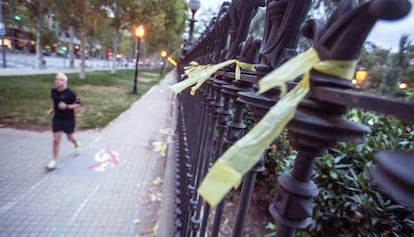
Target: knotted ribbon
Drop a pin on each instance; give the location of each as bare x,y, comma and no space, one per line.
228,170
197,74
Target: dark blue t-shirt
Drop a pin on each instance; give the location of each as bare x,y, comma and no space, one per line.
67,96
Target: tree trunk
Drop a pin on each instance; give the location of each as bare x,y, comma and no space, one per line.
71,47
82,48
39,54
115,42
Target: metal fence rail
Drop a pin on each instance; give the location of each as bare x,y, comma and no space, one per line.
212,119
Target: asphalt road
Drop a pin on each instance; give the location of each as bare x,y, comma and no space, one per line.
24,64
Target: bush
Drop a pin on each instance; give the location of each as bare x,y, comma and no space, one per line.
349,204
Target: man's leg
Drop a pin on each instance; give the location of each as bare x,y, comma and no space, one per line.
70,130
72,139
56,141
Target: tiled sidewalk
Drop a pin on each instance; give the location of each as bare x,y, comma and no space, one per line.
113,188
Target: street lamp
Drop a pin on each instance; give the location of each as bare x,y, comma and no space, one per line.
139,33
403,86
360,75
193,5
163,55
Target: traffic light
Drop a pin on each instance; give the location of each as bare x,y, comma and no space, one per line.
17,17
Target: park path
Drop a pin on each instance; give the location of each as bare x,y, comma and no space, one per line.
113,188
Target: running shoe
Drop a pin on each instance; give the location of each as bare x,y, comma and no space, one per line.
51,164
77,151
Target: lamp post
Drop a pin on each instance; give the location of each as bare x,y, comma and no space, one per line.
193,5
2,34
139,33
163,55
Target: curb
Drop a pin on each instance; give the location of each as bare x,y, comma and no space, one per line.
166,221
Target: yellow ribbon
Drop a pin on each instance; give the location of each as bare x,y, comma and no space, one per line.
228,171
198,74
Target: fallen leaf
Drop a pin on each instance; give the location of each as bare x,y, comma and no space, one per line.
157,181
156,196
155,229
161,147
165,131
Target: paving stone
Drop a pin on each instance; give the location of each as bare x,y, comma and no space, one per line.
76,200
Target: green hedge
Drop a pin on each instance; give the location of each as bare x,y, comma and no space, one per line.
349,203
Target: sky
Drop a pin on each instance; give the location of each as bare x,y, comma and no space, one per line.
388,33
385,33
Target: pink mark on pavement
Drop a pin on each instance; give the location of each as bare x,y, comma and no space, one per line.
104,158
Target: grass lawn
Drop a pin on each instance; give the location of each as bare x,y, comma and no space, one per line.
24,100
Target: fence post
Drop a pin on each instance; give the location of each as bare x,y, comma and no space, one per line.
318,125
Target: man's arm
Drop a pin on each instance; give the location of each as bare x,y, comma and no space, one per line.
76,104
51,109
63,106
73,106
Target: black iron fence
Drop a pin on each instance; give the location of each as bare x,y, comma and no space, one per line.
211,120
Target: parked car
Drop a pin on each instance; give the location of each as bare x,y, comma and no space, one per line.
47,52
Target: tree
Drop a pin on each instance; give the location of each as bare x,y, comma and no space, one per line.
89,14
175,21
48,37
258,23
102,35
164,23
80,16
120,13
126,45
395,66
407,75
382,74
36,11
373,58
68,21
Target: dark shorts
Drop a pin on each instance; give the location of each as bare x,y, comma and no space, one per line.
65,125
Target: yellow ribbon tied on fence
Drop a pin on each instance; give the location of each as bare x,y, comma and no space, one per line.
197,74
228,170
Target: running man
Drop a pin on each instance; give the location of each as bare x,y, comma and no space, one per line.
63,105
